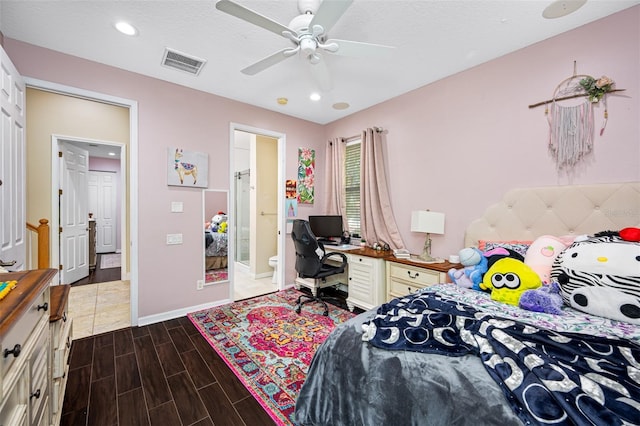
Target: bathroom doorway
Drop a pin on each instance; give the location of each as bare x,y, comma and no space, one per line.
256,211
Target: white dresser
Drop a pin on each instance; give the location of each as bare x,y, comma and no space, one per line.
25,381
406,276
60,327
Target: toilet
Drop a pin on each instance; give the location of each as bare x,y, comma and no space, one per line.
273,262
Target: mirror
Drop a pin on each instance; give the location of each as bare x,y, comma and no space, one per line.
216,241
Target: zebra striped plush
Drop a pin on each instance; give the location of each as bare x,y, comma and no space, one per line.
601,276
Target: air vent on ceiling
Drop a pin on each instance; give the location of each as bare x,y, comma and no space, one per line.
182,62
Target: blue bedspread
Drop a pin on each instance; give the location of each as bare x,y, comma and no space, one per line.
547,377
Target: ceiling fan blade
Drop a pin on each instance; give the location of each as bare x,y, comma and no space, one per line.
249,15
267,62
359,49
329,12
321,75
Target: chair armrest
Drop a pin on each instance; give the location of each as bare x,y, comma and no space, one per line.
335,253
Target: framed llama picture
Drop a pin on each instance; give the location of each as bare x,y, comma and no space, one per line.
188,169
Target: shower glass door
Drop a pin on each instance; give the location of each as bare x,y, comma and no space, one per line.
243,217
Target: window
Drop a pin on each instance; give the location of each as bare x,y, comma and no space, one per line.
352,185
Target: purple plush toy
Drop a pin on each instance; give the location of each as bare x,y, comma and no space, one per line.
543,299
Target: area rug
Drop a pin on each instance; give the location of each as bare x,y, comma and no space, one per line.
111,260
214,275
268,345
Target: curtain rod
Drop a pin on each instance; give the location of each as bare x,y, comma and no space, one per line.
353,138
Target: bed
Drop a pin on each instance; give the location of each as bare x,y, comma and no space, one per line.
216,244
450,382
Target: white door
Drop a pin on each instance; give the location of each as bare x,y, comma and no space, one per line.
102,203
74,214
13,222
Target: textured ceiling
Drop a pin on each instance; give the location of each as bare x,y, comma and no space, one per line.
433,39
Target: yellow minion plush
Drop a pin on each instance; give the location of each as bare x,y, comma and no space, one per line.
508,278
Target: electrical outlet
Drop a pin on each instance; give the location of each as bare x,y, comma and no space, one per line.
199,284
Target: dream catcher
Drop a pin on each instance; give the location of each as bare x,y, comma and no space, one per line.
571,124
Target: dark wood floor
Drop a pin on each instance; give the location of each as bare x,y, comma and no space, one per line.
99,275
162,374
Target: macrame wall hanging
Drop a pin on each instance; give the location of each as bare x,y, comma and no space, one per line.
571,126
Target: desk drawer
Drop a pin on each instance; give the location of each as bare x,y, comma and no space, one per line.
364,261
416,277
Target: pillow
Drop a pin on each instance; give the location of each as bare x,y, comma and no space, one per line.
519,247
542,252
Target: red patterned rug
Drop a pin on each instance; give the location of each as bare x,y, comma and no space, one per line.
214,275
268,346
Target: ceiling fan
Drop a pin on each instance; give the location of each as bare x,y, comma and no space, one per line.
308,33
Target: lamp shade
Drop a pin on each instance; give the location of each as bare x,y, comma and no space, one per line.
427,221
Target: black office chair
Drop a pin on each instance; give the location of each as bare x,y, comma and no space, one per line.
309,265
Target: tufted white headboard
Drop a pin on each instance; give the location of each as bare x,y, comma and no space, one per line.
527,213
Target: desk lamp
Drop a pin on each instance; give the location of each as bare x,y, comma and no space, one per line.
431,223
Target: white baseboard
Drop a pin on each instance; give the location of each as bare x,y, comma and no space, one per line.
165,316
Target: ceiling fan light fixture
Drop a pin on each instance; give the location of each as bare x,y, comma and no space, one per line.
314,58
307,46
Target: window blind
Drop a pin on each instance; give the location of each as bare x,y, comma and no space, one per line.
352,185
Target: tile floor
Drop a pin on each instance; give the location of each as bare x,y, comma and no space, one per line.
245,287
98,308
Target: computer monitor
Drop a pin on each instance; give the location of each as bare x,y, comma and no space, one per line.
326,226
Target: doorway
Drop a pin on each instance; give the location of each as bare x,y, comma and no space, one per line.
256,206
90,201
129,161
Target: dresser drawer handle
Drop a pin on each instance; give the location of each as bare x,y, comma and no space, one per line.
35,395
44,306
413,276
15,351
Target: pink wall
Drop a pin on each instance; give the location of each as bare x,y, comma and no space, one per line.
455,146
99,164
170,115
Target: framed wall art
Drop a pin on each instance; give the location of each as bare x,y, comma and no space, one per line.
187,168
306,175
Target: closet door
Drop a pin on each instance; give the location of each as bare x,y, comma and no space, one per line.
103,205
12,166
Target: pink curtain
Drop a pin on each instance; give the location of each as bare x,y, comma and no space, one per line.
335,179
376,217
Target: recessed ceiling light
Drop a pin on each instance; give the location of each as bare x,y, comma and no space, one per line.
560,8
113,154
315,96
126,28
340,105
282,101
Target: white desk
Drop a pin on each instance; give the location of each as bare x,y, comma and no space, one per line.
341,247
366,273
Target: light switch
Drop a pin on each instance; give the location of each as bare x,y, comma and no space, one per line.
174,239
176,207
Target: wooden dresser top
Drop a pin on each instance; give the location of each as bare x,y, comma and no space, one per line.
17,301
